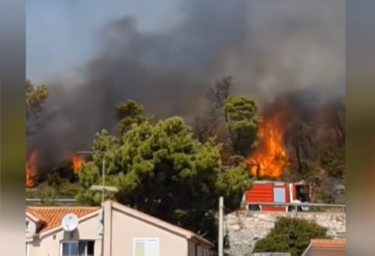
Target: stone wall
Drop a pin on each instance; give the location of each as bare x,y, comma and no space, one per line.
270,254
243,229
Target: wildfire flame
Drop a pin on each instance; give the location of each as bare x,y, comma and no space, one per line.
77,163
269,158
31,170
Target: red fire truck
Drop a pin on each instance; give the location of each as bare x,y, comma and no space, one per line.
265,191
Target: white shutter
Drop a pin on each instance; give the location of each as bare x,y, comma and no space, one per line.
139,247
152,247
146,247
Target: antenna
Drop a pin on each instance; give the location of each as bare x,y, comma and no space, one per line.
69,222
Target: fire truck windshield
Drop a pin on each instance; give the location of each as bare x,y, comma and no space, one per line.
302,193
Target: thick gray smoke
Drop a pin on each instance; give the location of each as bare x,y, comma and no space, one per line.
269,47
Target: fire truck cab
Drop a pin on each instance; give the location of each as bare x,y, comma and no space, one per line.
265,191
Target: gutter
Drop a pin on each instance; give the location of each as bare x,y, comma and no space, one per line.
201,240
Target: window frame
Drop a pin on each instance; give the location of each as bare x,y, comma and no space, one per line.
145,239
77,242
279,194
27,249
67,242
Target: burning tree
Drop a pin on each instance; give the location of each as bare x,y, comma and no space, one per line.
162,170
255,138
77,162
269,158
31,170
35,98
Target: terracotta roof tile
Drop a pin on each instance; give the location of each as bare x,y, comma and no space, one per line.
35,214
52,215
334,243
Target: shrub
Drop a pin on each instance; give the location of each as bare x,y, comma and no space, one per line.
291,235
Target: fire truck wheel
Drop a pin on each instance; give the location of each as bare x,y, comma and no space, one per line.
253,207
292,209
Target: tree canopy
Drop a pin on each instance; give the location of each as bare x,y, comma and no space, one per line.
161,169
291,235
242,120
36,96
233,120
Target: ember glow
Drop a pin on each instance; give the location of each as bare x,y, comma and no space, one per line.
31,170
77,162
270,157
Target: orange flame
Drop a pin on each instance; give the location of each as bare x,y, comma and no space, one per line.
31,170
77,163
269,158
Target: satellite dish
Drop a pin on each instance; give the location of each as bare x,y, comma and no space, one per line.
69,222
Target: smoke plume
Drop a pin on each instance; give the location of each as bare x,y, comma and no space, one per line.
271,48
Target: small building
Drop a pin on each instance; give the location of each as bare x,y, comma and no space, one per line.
110,230
326,247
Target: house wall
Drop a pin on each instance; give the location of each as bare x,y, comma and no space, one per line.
196,249
125,228
50,245
32,228
29,236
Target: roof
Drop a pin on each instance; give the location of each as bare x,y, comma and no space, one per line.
51,216
325,245
277,182
332,243
34,215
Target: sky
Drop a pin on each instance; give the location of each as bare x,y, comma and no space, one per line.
60,35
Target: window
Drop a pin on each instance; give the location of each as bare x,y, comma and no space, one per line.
27,226
279,195
77,248
27,249
200,251
146,247
302,194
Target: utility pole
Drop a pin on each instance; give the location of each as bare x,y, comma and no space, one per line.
101,188
221,227
103,177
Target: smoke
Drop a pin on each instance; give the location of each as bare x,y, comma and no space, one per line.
271,48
